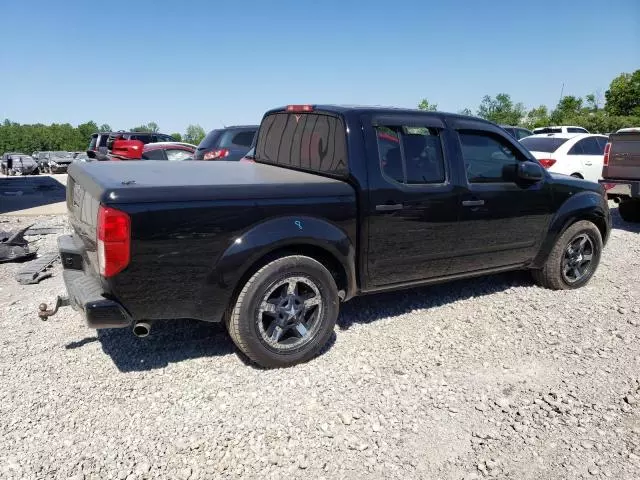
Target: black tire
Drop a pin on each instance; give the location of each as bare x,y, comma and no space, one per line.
248,323
629,210
553,275
36,172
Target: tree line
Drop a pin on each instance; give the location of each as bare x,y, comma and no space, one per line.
16,137
620,108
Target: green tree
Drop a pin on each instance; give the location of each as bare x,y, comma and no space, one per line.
623,96
568,107
501,109
148,127
194,134
429,107
466,111
105,127
537,117
153,127
177,136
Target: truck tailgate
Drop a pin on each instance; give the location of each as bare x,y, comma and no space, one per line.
624,157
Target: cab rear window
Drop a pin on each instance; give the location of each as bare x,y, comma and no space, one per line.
314,142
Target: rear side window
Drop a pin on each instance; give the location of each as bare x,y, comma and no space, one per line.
586,146
154,155
542,144
308,141
576,130
93,142
411,155
243,139
522,133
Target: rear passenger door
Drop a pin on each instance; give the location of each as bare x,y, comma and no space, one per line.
413,203
502,219
590,153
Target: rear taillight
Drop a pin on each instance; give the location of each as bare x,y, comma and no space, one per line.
609,186
547,162
217,154
607,150
114,241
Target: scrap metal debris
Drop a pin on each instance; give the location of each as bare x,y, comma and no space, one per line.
14,247
37,270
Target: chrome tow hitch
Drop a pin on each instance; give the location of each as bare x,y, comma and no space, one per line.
44,312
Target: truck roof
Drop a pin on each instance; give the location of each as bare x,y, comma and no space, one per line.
357,109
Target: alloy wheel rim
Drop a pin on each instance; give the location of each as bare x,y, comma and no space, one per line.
289,313
577,260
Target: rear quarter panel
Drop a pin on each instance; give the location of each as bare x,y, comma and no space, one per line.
176,250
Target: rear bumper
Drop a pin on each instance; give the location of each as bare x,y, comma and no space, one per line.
85,291
621,188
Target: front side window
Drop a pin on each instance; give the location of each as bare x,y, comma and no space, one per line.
576,130
411,155
487,157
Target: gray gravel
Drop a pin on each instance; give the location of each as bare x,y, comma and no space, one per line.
492,377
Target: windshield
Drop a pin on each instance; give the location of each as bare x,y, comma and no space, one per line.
60,154
542,144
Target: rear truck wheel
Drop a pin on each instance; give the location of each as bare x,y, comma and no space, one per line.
629,209
285,313
573,259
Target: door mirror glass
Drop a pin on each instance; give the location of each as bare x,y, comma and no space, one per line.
530,171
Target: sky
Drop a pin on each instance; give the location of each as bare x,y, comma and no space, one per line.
215,63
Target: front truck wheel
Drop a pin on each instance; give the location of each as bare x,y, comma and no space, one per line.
573,259
629,210
285,313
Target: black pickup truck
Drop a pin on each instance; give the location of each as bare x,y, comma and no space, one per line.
340,201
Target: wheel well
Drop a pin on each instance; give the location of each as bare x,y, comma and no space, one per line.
323,256
577,175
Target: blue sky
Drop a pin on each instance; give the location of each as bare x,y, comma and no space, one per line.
211,62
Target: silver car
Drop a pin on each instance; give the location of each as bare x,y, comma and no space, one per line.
22,165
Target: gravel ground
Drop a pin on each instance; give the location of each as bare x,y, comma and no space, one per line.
492,377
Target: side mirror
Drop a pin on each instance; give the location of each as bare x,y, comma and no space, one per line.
530,171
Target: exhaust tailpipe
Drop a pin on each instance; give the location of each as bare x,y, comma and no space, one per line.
142,329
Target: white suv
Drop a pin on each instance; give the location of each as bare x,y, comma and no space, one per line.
560,129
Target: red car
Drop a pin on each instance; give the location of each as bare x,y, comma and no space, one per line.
136,150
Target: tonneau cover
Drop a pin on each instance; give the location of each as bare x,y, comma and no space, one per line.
153,181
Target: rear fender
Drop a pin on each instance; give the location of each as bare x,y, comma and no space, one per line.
585,205
278,233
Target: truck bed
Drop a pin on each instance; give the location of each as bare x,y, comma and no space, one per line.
152,181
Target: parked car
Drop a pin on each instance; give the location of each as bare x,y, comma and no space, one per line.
81,157
135,150
54,162
20,164
272,247
517,132
230,143
579,155
560,129
101,143
621,172
6,162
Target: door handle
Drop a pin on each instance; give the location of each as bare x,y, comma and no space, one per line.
588,163
472,203
389,207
